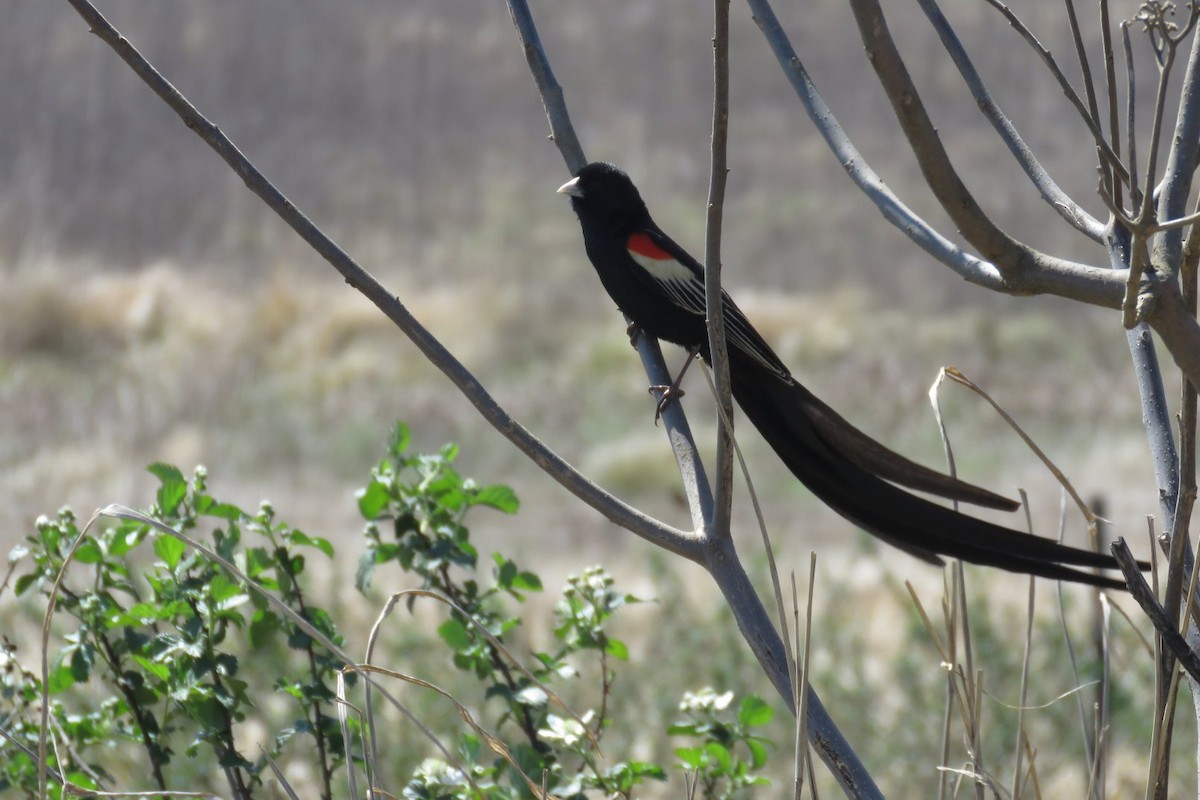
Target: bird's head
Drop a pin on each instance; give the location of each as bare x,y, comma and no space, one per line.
600,192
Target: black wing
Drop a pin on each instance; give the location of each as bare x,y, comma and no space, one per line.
681,279
685,288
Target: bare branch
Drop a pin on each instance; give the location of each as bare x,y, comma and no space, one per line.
953,195
718,171
1145,598
1135,194
1045,276
562,132
1180,168
1075,215
1167,61
1035,273
680,542
1089,86
1155,414
1107,156
696,487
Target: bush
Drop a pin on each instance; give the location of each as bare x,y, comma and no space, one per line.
176,646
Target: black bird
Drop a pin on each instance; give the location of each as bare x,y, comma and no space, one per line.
661,289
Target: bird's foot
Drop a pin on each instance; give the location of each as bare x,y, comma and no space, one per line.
666,396
633,332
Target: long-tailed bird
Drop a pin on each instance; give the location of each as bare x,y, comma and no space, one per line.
661,289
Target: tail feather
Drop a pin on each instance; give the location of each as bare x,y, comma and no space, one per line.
850,473
873,457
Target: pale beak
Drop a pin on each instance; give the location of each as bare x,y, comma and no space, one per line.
571,187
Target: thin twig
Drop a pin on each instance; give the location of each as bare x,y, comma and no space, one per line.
1038,273
1145,597
1178,172
682,543
1060,201
1135,193
713,299
1108,156
1108,176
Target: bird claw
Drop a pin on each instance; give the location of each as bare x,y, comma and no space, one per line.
633,332
666,396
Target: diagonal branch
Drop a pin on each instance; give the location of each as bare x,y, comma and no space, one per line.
1008,255
1044,276
696,487
1181,165
1163,625
685,544
1107,156
1075,215
721,558
1108,176
1035,273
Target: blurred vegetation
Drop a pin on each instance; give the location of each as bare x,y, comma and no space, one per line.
155,654
153,311
149,298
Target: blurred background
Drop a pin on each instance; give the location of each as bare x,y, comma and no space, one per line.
153,310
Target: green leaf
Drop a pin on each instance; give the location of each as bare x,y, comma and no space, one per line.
497,496
166,473
528,581
372,500
160,671
720,754
169,549
82,780
125,538
227,593
366,569
647,769
456,635
88,552
400,439
626,775
136,615
226,511
617,649
692,757
507,571
82,660
61,677
303,539
23,583
173,488
263,626
758,752
258,560
754,711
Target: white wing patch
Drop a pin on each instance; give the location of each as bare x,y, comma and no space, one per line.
687,291
663,269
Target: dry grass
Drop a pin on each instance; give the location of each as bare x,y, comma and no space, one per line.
285,388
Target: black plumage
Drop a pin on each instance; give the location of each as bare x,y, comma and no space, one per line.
661,289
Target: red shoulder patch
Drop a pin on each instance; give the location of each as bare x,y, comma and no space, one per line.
643,245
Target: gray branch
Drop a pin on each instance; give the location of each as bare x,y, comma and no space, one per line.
681,542
719,556
1075,215
1181,164
713,299
1012,269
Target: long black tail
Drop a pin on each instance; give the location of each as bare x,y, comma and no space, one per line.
850,472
